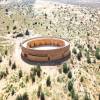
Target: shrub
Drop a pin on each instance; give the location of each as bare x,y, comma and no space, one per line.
74,51
70,85
27,79
32,74
42,96
81,79
6,52
12,92
69,74
7,72
0,58
45,16
25,96
72,93
14,66
20,74
33,71
65,68
14,27
19,35
60,70
76,97
19,97
22,84
10,62
27,32
6,10
8,32
97,54
2,74
79,56
33,78
86,97
38,70
88,60
48,82
39,91
7,27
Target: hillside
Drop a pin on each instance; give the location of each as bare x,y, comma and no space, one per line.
78,78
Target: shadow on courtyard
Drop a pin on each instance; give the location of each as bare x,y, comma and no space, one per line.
48,63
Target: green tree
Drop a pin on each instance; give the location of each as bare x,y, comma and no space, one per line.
65,68
14,27
12,92
10,62
6,52
0,58
88,60
81,79
70,85
33,71
76,97
25,96
86,97
42,96
33,78
6,10
97,54
14,65
72,93
7,27
7,72
48,82
27,79
33,74
19,97
39,91
74,51
79,55
20,74
2,74
70,74
38,70
27,32
99,97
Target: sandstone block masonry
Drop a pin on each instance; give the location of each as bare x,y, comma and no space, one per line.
62,49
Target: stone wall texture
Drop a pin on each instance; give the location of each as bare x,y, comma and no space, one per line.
29,53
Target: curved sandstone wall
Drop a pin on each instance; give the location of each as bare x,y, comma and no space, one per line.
28,51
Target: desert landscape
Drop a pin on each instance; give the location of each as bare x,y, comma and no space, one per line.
77,78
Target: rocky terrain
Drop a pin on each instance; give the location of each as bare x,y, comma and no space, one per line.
78,78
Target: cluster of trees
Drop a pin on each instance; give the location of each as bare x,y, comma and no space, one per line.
13,65
72,91
23,97
67,70
78,54
40,94
35,71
